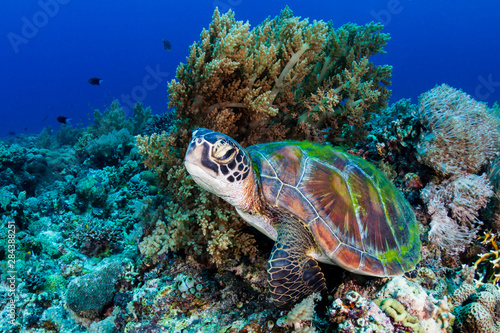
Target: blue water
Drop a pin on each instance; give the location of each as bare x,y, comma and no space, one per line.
50,48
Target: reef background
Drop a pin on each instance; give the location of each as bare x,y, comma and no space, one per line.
112,235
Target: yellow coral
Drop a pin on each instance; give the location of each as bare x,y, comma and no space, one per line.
396,311
489,262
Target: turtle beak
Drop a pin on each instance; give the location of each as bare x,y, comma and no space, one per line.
191,154
193,157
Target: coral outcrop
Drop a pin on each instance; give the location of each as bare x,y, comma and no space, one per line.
411,306
89,294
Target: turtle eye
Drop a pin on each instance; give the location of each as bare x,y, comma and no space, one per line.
223,152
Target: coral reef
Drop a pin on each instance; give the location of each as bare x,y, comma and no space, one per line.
453,206
461,135
409,304
356,314
476,310
103,245
488,264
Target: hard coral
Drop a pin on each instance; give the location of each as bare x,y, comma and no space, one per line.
88,295
461,135
356,314
410,305
476,310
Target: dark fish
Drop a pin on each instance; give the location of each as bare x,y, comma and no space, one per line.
63,120
167,45
12,133
45,118
95,81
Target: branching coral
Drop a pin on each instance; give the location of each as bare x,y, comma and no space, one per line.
461,135
453,206
93,236
488,264
283,74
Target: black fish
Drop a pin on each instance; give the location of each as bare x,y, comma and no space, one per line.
12,133
63,120
167,45
95,81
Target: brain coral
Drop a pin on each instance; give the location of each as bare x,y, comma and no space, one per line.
477,311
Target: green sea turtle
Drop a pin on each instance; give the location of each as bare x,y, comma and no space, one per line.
317,202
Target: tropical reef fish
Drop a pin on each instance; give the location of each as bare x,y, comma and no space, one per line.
167,45
63,120
95,81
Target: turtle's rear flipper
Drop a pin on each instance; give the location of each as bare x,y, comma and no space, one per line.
291,273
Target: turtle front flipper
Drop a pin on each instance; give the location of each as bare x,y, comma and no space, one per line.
291,273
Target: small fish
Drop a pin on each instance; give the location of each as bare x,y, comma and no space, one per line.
45,118
63,120
167,45
12,133
95,81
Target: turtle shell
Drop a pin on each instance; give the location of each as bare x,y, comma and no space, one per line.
356,215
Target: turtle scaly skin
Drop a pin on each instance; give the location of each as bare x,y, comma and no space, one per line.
291,272
317,202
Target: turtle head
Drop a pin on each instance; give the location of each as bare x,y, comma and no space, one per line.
220,165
